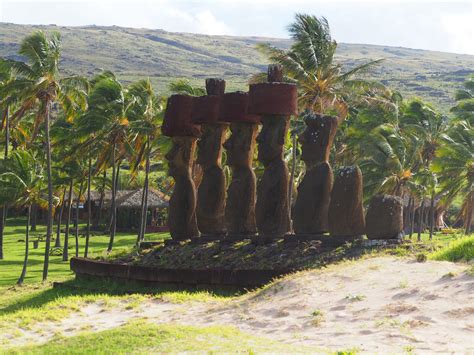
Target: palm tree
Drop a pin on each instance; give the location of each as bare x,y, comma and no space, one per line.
464,109
22,183
424,123
182,86
144,112
45,87
454,163
107,118
323,86
388,161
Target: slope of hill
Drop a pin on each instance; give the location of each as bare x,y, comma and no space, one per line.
163,56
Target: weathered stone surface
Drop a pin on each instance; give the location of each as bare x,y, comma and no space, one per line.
272,208
177,120
316,140
234,108
384,219
346,212
205,109
215,86
241,194
310,212
182,205
211,191
273,98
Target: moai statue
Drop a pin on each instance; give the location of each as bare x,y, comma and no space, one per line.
182,205
384,219
211,191
241,194
346,212
275,102
310,212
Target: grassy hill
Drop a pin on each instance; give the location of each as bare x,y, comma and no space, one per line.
164,56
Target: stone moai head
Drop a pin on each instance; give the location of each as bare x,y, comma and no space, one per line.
177,125
275,102
271,139
317,138
180,156
241,144
210,145
206,113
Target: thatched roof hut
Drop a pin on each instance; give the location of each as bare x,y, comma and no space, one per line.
133,199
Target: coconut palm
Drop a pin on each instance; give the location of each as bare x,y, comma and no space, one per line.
44,87
106,118
454,163
464,109
22,184
323,85
183,86
144,111
388,160
424,123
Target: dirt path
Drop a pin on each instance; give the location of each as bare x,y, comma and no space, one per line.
375,305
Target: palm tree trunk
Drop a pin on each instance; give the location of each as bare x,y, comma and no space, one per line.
60,219
7,131
49,218
89,211
101,202
412,217
432,215
76,234
27,245
142,208
470,206
144,205
68,221
34,217
420,218
292,176
145,209
112,207
3,209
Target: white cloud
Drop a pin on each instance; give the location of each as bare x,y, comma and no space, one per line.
208,24
461,30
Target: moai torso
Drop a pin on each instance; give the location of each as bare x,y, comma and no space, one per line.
182,206
272,210
346,211
310,212
240,206
211,191
275,102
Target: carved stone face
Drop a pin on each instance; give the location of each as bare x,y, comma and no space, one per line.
310,147
241,144
272,138
317,138
180,155
210,144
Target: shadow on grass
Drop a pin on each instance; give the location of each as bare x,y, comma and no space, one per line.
86,287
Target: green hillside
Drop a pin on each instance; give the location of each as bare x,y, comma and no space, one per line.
163,56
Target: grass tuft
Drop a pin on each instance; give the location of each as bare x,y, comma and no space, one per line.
461,249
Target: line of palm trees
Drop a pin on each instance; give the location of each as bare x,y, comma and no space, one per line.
97,124
70,133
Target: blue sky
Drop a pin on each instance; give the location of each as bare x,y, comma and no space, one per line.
436,25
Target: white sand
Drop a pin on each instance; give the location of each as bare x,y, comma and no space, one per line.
374,305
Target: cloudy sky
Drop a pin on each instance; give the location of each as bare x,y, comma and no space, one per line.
427,24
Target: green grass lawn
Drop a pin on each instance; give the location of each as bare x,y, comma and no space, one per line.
14,251
23,307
